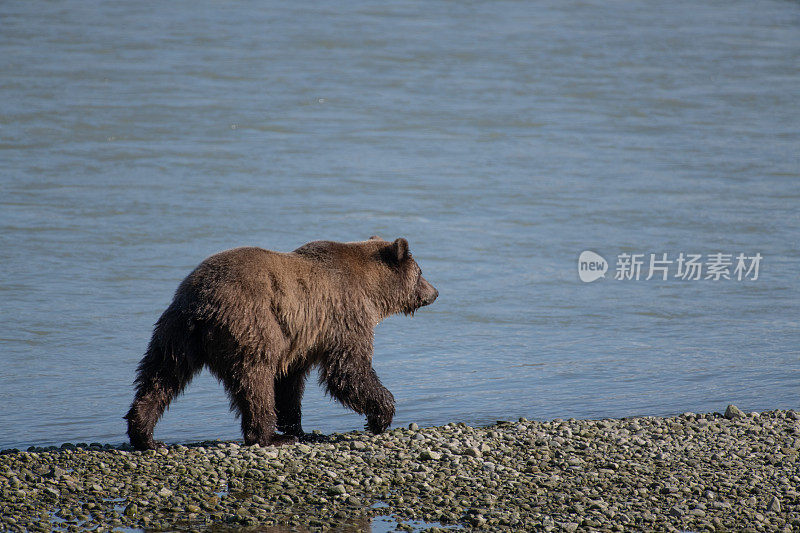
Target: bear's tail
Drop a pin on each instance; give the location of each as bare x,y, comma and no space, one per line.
168,365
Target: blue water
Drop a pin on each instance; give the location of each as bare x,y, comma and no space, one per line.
501,138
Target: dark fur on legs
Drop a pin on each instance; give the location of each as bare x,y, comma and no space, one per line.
289,390
162,374
252,394
352,381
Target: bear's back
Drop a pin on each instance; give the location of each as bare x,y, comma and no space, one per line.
249,275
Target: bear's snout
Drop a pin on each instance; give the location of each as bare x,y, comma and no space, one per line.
433,297
427,292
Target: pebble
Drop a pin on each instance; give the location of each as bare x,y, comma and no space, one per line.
473,452
733,412
774,505
337,490
428,455
691,472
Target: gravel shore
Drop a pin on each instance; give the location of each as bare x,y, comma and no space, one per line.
694,472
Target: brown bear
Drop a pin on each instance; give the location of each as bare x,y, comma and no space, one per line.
259,320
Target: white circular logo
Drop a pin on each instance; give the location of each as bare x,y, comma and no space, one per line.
591,266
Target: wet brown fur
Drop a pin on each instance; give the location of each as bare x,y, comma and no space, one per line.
260,320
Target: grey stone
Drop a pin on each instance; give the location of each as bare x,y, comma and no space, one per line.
473,452
430,455
337,490
733,412
774,505
676,511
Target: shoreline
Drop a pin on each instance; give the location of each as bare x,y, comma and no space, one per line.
688,472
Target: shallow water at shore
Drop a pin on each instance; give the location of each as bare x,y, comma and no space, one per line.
502,139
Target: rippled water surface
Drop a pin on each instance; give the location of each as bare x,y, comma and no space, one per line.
501,138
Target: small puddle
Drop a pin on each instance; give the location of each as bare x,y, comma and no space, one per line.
119,504
388,524
383,523
379,524
58,523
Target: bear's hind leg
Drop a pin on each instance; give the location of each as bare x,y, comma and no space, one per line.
288,397
289,390
252,393
160,377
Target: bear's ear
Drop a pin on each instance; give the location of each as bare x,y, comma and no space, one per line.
375,238
400,249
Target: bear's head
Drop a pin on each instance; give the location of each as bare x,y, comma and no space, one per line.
408,289
383,272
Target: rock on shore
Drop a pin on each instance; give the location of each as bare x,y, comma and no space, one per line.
712,472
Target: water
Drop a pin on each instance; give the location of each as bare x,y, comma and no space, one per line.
501,138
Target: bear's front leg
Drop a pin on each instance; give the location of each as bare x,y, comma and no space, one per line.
350,378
